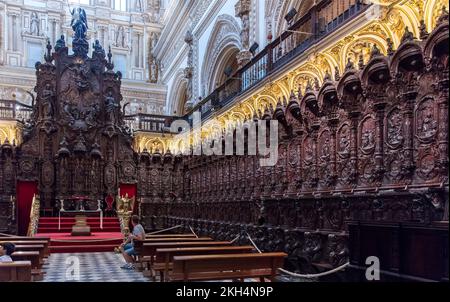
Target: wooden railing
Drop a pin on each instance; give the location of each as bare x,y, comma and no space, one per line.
13,110
321,20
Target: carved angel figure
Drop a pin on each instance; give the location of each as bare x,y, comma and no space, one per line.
79,23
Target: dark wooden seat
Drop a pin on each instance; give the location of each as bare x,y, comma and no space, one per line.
29,241
19,271
164,257
148,251
31,248
138,245
176,239
149,236
36,263
222,267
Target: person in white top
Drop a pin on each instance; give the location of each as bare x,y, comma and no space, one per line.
6,250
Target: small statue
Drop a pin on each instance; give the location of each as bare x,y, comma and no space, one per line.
34,24
47,106
61,43
79,23
98,48
111,106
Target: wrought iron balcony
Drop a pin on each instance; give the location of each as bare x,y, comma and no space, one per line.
12,110
147,122
321,20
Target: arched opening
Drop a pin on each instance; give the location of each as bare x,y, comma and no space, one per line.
220,59
182,99
224,68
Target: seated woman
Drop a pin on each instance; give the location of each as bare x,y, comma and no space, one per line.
6,250
127,248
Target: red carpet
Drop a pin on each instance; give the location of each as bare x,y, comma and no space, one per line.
101,240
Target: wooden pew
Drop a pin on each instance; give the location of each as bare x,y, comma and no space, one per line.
29,240
164,257
138,245
170,236
172,239
31,248
19,271
148,251
221,267
36,264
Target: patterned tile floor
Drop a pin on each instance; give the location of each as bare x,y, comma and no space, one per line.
93,267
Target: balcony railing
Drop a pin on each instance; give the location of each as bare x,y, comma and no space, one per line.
11,110
321,20
147,122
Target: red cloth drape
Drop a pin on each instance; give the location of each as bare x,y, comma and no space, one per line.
25,191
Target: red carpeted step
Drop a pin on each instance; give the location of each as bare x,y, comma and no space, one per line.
69,229
51,224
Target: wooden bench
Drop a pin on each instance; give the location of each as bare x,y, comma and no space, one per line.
31,248
23,241
36,264
138,245
171,236
176,239
148,251
19,271
222,267
164,257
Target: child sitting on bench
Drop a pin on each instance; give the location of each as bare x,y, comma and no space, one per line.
6,250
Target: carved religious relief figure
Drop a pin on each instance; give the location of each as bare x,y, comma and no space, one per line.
426,122
344,141
367,136
395,128
47,101
111,108
325,147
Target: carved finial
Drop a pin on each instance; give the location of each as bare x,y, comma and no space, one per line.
48,57
361,61
423,33
407,36
109,65
390,47
327,76
350,65
316,84
337,76
444,15
375,51
308,86
292,96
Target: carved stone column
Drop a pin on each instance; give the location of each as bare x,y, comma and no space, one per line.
189,70
243,8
